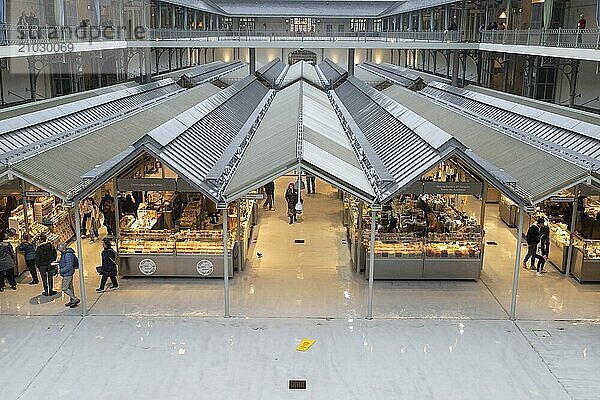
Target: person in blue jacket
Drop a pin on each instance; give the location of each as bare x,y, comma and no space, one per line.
28,249
68,263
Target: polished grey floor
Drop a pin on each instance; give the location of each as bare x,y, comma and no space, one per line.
167,339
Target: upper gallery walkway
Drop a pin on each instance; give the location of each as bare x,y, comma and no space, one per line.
563,43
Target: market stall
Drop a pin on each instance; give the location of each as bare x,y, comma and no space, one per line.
167,229
432,231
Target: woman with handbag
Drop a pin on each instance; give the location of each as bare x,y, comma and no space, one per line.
108,269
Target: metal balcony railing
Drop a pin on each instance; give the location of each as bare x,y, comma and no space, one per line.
572,38
21,34
15,35
284,35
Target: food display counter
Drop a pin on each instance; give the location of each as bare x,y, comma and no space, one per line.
586,259
192,247
429,235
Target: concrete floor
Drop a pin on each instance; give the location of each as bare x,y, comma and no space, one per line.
166,338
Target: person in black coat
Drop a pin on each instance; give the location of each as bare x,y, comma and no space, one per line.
270,192
45,255
291,196
108,268
533,239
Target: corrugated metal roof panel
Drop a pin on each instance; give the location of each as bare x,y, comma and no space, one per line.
32,132
61,167
393,73
535,169
577,140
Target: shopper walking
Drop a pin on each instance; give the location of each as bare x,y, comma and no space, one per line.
533,239
291,197
28,249
310,184
45,255
270,192
130,207
107,208
8,261
108,269
68,263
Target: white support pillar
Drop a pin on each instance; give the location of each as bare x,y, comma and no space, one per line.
513,302
371,265
432,20
358,244
447,18
80,257
225,264
572,231
239,236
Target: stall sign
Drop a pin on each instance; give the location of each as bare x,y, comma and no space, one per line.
36,194
474,188
205,267
562,199
147,266
166,185
254,196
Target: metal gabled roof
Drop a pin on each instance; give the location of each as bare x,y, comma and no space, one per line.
209,72
321,9
406,144
29,134
394,74
193,142
301,70
311,136
415,5
272,72
575,140
330,73
538,173
60,168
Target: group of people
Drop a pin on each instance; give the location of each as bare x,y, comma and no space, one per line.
28,25
291,197
41,256
91,212
538,245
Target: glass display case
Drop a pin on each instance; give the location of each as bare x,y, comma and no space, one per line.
586,259
453,245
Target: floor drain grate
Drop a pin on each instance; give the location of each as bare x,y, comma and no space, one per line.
299,241
491,243
56,328
297,384
541,333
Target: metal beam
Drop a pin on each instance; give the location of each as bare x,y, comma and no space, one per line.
80,256
225,264
371,265
513,302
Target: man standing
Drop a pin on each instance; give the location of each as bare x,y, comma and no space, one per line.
45,255
68,263
533,238
310,184
7,263
270,192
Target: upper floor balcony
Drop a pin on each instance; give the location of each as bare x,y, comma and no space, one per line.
30,40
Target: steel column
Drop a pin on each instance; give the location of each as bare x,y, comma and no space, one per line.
360,228
117,232
25,207
371,265
573,82
239,235
351,62
572,232
513,302
225,264
80,256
